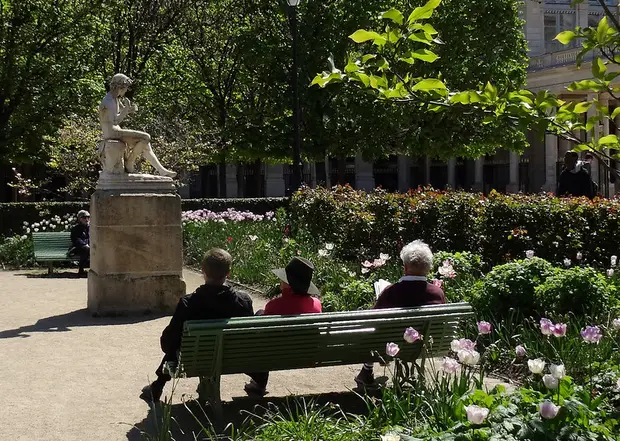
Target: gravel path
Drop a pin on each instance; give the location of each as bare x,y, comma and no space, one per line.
67,376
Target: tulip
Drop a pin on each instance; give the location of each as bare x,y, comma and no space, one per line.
411,335
559,329
557,371
550,381
614,260
329,246
463,343
520,351
592,334
438,283
610,272
484,327
392,349
567,262
476,414
323,253
469,357
449,365
390,437
529,254
536,366
548,410
546,326
615,323
579,255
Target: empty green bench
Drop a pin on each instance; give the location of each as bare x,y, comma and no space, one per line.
52,247
212,348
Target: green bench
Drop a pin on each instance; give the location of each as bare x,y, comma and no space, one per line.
212,348
52,247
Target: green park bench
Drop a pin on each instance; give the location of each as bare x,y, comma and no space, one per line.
52,247
212,348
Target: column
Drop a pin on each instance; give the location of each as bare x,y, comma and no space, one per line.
594,136
535,26
427,170
274,177
231,180
313,174
364,177
604,185
479,174
513,184
551,160
404,173
582,14
452,173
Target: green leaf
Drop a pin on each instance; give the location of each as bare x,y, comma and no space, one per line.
361,36
423,12
368,57
429,84
615,113
427,28
609,139
601,30
581,148
421,37
425,55
565,37
584,85
395,15
598,68
582,107
490,91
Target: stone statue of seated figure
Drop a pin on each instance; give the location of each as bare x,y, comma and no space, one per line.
120,148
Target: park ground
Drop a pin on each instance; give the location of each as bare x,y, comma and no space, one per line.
67,376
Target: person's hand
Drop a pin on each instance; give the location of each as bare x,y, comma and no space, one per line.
133,108
87,247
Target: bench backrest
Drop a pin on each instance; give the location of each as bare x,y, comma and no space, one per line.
51,244
268,343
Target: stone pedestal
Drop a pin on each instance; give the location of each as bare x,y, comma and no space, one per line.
136,252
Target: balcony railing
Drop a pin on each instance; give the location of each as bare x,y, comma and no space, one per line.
556,59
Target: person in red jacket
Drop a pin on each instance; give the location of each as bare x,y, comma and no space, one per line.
412,290
297,298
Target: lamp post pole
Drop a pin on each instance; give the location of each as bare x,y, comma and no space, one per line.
297,166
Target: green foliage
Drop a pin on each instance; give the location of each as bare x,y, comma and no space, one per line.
581,291
468,269
511,286
16,252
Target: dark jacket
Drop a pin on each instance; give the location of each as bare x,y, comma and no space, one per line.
409,294
575,184
208,302
80,235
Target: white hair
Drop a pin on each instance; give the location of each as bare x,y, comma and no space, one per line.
417,255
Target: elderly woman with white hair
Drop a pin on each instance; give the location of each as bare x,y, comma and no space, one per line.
413,289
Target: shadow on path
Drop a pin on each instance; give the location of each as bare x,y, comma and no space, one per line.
54,275
81,317
188,420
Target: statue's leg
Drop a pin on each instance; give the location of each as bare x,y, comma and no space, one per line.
148,154
135,150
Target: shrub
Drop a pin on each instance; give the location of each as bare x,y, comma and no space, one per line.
16,252
578,290
511,286
468,268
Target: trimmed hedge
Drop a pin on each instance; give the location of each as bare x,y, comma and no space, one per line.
14,214
499,228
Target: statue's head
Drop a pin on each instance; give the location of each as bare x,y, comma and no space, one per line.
120,83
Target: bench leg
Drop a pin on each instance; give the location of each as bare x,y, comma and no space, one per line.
209,391
50,268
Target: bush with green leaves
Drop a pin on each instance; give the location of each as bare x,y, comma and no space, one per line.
16,252
511,286
579,291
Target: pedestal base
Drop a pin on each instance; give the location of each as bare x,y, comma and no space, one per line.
127,295
136,253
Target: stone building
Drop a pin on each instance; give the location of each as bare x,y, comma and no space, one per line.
551,67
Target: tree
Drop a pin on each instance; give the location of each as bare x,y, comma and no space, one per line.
45,70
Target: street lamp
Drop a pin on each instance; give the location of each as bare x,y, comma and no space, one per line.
297,173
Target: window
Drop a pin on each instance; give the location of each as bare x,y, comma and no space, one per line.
554,24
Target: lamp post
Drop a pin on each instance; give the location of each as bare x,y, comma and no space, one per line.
297,172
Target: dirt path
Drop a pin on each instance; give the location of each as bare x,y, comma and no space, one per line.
69,377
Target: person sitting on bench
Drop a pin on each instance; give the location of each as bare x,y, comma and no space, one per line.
410,291
213,300
80,241
297,291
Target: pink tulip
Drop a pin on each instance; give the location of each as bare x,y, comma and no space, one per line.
592,334
449,365
392,349
546,326
438,283
559,329
484,327
411,335
520,351
461,344
548,410
476,414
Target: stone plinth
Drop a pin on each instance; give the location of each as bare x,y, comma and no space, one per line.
136,258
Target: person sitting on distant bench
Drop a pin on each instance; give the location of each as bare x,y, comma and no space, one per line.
412,290
80,241
213,300
297,298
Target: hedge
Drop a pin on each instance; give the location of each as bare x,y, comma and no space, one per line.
499,227
14,214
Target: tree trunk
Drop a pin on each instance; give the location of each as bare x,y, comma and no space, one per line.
222,179
258,178
342,166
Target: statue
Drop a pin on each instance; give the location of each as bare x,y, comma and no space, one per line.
120,148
